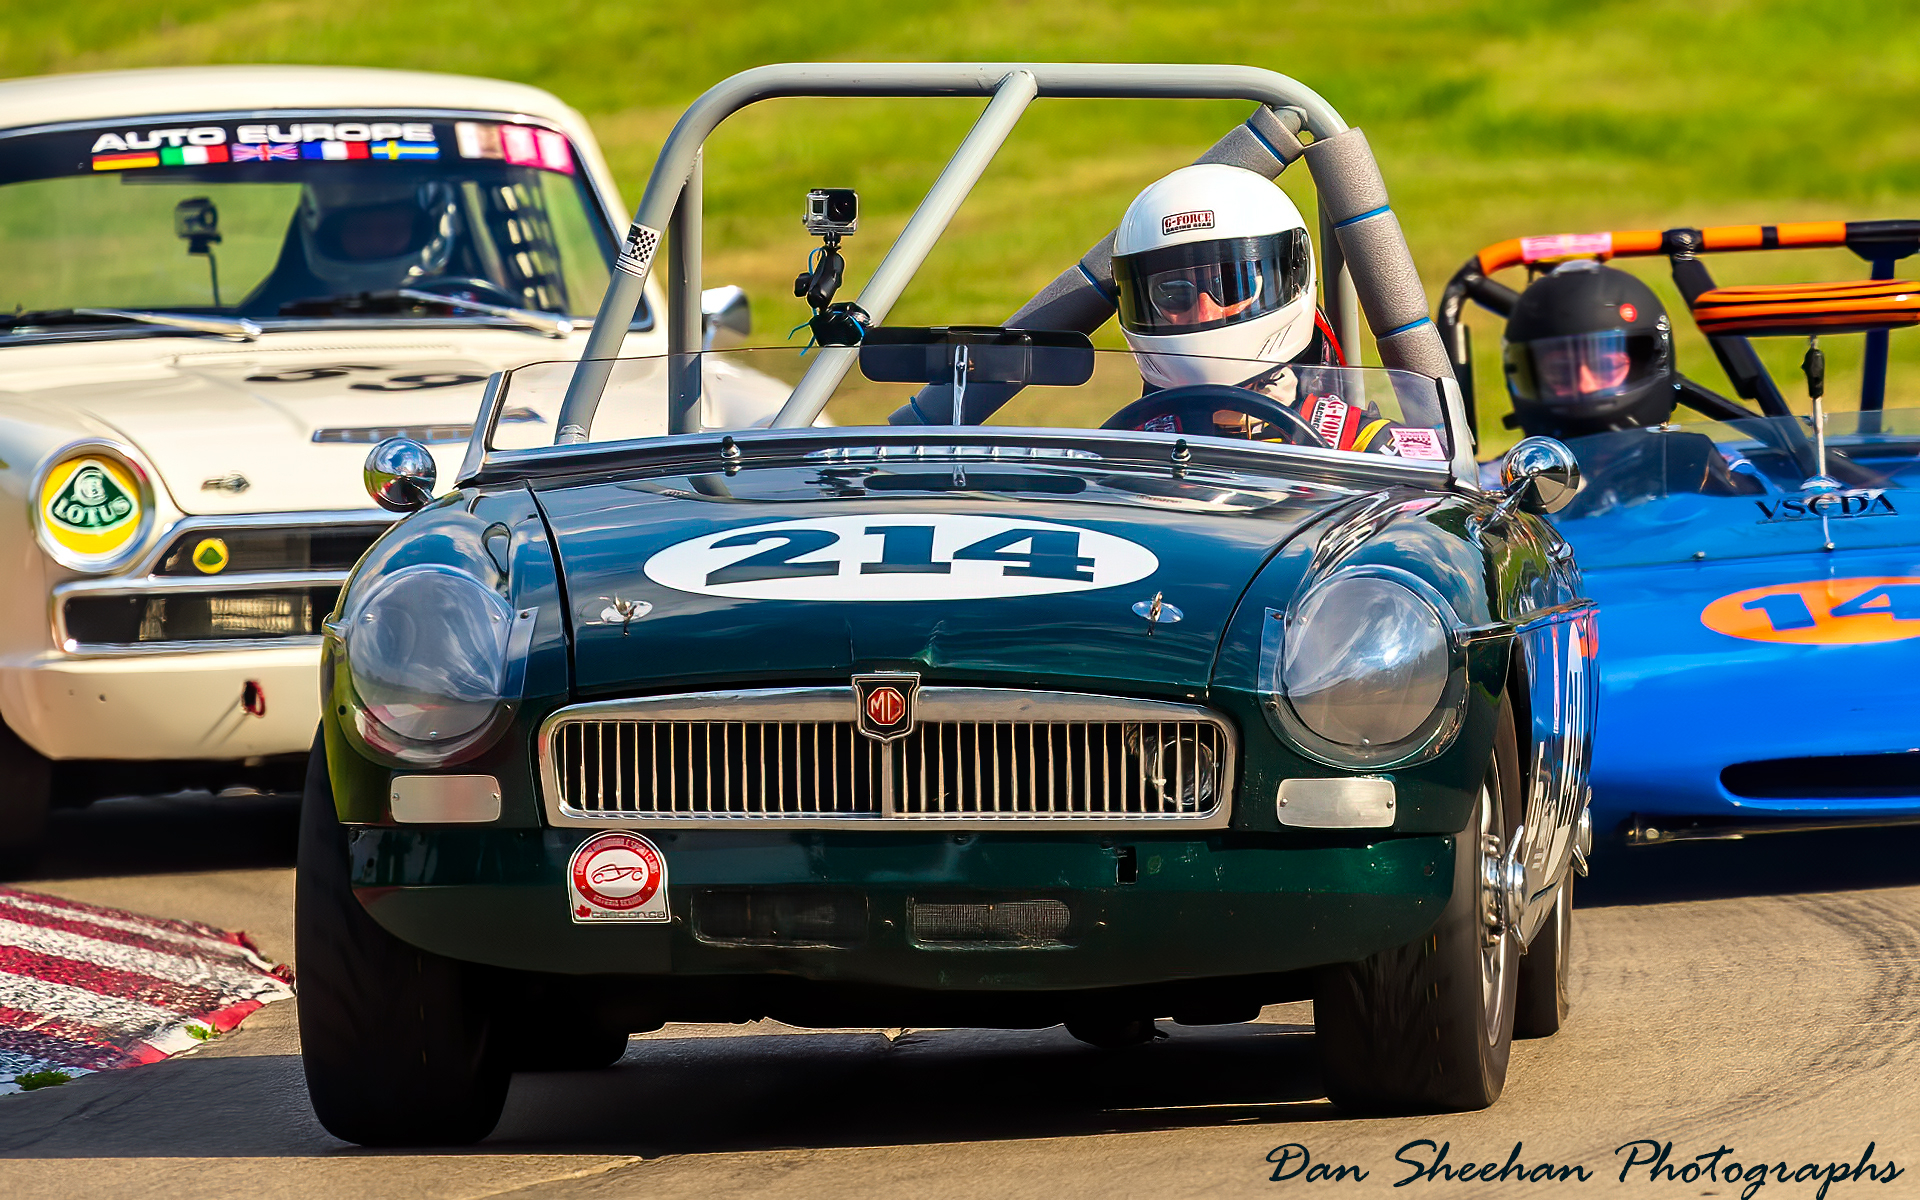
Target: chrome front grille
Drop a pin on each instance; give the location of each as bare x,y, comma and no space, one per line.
1061,768
270,581
976,757
614,767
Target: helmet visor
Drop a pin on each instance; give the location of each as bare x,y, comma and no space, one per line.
1208,285
1582,366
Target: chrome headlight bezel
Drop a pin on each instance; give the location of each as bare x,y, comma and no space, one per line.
360,720
1428,739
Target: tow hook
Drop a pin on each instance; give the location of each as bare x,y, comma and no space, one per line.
253,699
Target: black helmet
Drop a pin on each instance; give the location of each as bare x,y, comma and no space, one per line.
1588,349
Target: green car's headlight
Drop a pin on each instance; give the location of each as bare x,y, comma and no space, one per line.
431,662
1364,670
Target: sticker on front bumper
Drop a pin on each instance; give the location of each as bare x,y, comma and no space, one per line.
617,877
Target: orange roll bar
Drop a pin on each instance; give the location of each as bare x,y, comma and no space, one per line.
1642,243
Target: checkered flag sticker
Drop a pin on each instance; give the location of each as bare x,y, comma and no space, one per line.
636,256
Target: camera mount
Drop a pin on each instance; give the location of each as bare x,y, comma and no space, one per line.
831,213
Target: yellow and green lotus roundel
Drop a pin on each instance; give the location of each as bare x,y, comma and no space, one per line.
90,506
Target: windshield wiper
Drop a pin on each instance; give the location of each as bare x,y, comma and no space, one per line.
233,327
552,325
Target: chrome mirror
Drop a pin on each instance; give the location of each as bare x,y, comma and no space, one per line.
400,474
726,318
1541,475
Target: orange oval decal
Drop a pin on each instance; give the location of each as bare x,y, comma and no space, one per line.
1821,612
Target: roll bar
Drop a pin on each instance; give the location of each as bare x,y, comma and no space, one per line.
1881,243
1352,195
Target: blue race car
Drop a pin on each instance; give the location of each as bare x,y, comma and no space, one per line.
1759,571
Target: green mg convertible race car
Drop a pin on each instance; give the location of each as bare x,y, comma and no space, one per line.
982,686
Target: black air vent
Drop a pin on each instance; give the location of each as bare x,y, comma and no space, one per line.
1835,777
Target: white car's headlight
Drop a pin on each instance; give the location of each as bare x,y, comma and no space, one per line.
432,661
1365,670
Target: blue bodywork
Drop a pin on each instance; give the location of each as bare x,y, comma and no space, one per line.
1701,725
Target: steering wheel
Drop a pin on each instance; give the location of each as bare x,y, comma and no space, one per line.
483,290
1192,406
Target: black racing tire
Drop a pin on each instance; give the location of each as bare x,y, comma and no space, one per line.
571,1050
1541,1005
26,794
1113,1033
397,1043
1427,1027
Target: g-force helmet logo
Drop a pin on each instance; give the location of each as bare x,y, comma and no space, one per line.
91,501
90,507
1182,222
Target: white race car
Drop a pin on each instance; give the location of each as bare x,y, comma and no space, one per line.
223,287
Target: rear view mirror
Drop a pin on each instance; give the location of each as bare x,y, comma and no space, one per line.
1019,357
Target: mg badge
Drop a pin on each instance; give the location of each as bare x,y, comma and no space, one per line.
886,704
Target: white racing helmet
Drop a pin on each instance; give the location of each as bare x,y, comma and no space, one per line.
1213,261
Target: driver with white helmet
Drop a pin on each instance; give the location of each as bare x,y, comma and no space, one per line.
1214,269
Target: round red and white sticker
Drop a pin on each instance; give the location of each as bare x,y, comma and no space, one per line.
617,877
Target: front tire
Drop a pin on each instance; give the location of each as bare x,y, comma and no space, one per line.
397,1043
26,793
1427,1027
1541,1006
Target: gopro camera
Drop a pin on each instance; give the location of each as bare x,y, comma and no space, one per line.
832,211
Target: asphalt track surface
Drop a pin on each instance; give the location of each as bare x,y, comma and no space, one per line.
1763,996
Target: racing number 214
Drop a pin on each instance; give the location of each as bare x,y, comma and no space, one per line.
904,550
1788,610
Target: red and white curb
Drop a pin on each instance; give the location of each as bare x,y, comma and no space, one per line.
84,988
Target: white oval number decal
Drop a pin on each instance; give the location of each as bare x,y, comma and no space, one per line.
900,556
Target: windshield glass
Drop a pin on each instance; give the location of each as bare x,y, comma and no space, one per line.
297,216
1358,411
1759,458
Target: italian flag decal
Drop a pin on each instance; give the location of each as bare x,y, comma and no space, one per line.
192,156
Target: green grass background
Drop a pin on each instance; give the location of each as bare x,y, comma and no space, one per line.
1491,119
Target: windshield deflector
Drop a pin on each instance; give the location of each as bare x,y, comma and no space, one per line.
1358,415
289,218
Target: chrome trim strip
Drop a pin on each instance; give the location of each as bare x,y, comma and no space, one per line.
197,649
173,584
836,704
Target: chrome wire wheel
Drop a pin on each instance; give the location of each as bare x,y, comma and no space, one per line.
1496,945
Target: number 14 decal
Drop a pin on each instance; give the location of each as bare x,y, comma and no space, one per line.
1789,610
1821,612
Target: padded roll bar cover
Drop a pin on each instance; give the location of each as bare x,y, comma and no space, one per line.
1242,147
1058,307
1071,302
1346,176
1383,272
1417,349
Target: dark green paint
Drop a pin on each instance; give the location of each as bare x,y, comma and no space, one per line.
1221,907
1258,899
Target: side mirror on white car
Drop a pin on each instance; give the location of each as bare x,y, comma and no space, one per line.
726,317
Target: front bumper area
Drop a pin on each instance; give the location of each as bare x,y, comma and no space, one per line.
1227,905
148,707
